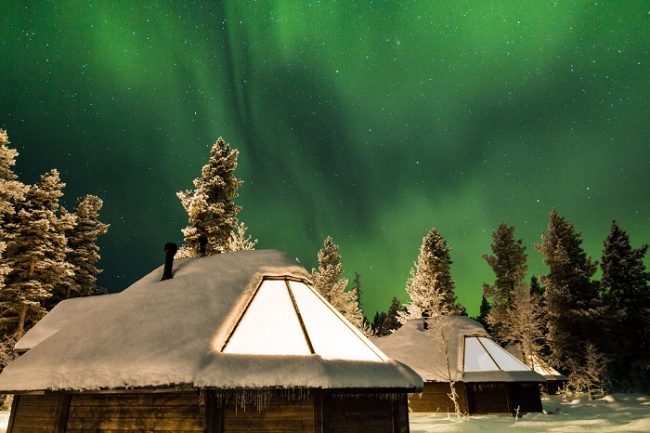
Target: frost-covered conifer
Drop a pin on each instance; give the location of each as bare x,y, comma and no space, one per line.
36,254
509,265
210,206
11,191
240,240
84,251
524,326
329,282
571,297
430,286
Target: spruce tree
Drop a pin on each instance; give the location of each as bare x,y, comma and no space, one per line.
524,326
430,286
210,206
484,310
36,254
377,323
11,191
509,265
391,322
84,251
572,305
239,240
626,295
328,280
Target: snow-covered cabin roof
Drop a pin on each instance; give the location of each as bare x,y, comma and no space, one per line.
458,343
539,365
238,320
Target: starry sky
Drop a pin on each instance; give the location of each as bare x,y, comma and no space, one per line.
368,121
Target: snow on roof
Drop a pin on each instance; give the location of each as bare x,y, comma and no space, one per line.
65,312
178,331
539,365
453,348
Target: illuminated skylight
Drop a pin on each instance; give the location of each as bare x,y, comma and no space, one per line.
331,335
269,325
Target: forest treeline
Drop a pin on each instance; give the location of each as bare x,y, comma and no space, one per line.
595,331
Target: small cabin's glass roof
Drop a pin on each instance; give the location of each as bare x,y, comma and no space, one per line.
483,354
287,317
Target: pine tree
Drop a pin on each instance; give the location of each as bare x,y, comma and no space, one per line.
210,206
328,278
484,310
329,282
84,251
572,305
626,295
524,326
239,240
11,191
390,320
377,324
430,287
36,254
509,265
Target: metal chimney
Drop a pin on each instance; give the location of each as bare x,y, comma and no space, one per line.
203,243
170,251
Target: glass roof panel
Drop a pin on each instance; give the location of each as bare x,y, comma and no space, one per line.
330,335
270,325
506,361
476,358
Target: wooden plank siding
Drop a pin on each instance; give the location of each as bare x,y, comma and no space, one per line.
434,398
280,415
192,412
504,397
112,413
358,415
35,414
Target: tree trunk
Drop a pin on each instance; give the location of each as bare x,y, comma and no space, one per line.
22,315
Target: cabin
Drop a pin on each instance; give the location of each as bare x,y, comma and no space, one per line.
237,342
555,381
457,349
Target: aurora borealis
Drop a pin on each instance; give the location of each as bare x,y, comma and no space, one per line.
368,121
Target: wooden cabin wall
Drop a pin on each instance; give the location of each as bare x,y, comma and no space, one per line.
111,413
363,415
280,415
37,414
526,396
434,398
318,412
504,397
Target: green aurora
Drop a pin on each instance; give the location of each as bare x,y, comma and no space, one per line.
368,121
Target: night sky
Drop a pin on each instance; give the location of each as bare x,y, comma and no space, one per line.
368,121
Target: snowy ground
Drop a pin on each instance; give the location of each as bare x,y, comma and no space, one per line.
616,413
628,413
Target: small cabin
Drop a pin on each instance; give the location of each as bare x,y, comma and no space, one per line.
237,342
457,349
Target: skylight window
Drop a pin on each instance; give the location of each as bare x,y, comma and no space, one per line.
483,354
269,325
288,318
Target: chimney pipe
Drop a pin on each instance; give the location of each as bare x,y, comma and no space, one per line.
170,251
203,243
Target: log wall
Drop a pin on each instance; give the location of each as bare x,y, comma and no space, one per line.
36,414
504,397
360,415
434,398
191,412
113,413
281,415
